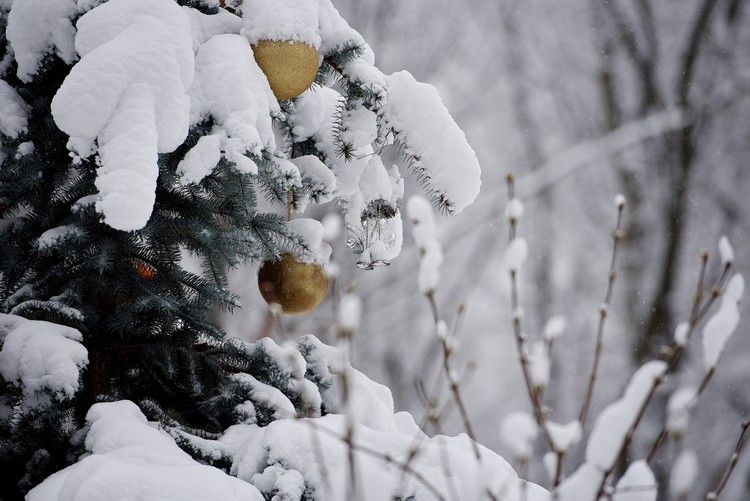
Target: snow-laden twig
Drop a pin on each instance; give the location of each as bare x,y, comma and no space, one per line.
534,396
671,356
617,236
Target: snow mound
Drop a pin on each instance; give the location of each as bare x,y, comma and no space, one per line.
131,459
42,358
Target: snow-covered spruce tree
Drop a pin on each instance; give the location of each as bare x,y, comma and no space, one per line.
136,133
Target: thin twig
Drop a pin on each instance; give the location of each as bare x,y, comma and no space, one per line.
617,236
676,351
534,396
733,459
453,385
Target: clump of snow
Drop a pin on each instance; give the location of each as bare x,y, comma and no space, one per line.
316,177
349,314
128,94
554,328
54,236
25,148
42,358
310,231
726,251
518,431
359,127
637,484
722,324
281,20
267,396
620,200
683,475
514,210
564,435
200,160
13,111
131,459
679,407
515,255
681,333
37,28
204,26
431,253
539,365
613,424
231,88
438,148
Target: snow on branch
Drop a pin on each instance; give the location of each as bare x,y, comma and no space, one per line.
434,145
43,359
127,97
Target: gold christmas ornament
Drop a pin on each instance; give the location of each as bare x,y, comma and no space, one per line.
297,287
289,66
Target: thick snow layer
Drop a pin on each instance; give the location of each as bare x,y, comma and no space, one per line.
297,445
722,324
267,396
613,424
448,164
128,93
281,20
38,28
131,459
637,484
42,358
13,111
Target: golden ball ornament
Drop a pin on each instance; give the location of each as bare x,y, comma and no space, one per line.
289,66
297,287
